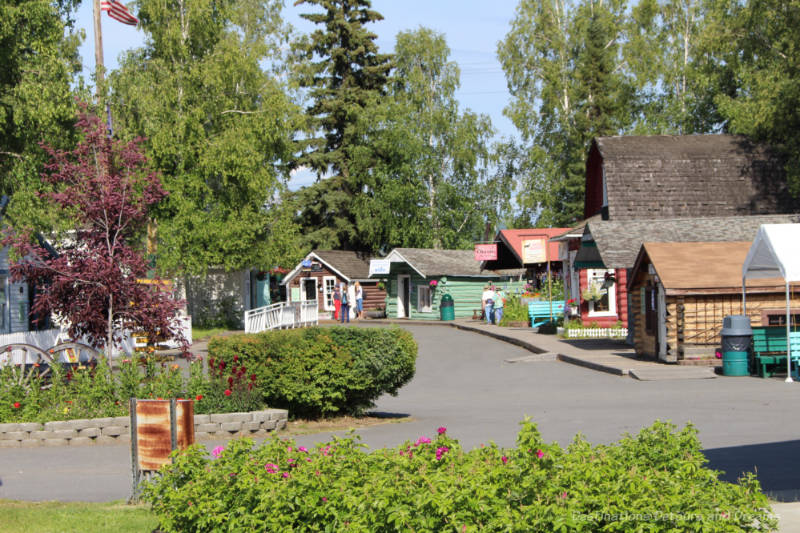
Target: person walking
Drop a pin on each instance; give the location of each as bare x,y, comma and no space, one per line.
345,310
351,299
487,300
499,304
359,301
337,302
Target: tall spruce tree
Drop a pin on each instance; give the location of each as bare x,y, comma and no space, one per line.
344,75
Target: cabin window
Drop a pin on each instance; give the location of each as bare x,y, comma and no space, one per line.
779,319
329,284
604,282
424,299
651,310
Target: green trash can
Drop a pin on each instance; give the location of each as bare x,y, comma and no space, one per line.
736,337
446,308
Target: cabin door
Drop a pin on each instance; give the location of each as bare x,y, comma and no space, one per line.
308,289
403,296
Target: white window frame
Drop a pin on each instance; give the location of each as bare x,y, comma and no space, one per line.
303,295
424,290
328,294
593,275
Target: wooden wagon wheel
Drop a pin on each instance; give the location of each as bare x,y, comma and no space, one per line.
26,363
74,353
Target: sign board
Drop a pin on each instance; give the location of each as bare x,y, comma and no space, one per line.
306,263
534,250
379,266
486,252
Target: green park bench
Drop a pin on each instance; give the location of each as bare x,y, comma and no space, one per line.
769,349
539,312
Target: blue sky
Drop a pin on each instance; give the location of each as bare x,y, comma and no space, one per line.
472,29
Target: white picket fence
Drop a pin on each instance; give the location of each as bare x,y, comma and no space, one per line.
281,316
596,333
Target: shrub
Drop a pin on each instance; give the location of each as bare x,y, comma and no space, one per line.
514,310
655,481
317,372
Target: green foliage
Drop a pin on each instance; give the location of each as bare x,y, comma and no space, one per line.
345,75
433,185
38,86
316,372
654,481
77,391
217,125
514,310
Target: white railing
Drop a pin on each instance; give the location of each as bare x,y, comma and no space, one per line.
596,333
281,316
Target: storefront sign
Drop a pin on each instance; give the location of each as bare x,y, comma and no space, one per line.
486,252
534,251
379,266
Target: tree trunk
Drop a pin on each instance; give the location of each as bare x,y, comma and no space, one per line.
110,340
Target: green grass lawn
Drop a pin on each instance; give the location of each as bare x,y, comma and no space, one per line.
58,517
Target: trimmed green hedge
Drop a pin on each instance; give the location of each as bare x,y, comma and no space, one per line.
656,481
317,372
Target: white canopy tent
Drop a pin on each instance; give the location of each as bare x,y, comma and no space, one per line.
775,253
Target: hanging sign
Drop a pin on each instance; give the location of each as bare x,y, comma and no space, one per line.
486,252
379,266
534,251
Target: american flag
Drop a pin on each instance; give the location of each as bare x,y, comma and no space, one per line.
118,11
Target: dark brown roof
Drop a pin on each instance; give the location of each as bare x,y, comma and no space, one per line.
429,262
353,265
667,176
618,242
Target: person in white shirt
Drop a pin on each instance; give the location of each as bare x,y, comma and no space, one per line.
359,301
351,298
487,301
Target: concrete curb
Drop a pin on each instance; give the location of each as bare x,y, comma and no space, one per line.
593,365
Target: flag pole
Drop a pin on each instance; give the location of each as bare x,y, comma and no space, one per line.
99,66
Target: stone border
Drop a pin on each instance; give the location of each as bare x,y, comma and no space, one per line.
116,430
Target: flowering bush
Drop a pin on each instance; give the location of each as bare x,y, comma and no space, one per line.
433,283
655,481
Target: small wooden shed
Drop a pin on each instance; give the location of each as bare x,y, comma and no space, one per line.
407,274
681,291
316,276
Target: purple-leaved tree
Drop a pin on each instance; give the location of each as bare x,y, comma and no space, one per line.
106,187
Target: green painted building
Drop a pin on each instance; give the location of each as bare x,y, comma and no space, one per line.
407,274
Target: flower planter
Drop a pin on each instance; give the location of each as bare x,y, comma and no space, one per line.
596,333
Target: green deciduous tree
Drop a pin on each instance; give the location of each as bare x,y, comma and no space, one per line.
433,186
756,71
38,54
344,75
218,126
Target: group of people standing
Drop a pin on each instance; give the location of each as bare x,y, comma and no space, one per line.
346,297
492,304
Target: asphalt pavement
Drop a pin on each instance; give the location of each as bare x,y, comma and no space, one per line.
464,383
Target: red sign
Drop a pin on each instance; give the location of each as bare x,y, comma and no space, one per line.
486,252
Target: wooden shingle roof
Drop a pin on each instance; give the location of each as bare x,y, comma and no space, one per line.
618,242
429,262
668,176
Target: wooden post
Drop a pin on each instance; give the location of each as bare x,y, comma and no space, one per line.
136,472
549,278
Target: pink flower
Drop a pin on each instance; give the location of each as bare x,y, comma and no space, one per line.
286,474
216,452
441,451
271,468
442,430
291,460
302,449
227,392
564,495
324,499
289,449
539,454
422,440
504,459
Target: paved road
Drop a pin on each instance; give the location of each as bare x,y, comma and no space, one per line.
463,383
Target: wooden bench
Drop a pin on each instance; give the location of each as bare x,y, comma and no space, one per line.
539,312
769,350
